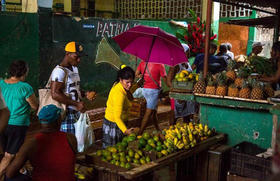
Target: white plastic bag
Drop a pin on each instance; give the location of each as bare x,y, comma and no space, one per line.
84,132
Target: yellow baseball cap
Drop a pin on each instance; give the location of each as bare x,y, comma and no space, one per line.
75,47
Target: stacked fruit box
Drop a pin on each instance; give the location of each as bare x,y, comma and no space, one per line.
184,80
137,108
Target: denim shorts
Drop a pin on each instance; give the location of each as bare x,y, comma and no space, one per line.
151,96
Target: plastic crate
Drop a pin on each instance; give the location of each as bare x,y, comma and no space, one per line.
183,85
245,163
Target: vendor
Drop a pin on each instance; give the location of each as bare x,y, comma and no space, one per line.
275,56
180,108
118,104
257,48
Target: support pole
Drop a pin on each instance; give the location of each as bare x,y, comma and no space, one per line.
276,28
207,37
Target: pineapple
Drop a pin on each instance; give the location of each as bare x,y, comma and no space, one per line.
221,88
241,74
231,75
200,85
268,91
245,90
257,92
233,91
211,88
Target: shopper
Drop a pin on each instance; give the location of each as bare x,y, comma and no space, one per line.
4,114
118,104
180,108
50,152
151,90
65,86
20,99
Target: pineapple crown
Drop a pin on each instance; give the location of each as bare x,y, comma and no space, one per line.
231,65
232,86
245,84
222,78
243,72
210,80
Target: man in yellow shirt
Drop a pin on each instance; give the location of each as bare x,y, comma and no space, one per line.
116,113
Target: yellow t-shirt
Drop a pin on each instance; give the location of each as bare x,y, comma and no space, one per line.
118,106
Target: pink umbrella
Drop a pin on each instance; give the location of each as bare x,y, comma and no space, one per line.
152,44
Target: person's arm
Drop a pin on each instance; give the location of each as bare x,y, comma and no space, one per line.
275,78
58,95
170,76
33,102
4,118
72,142
24,153
138,74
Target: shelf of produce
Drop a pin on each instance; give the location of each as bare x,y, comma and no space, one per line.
241,119
147,168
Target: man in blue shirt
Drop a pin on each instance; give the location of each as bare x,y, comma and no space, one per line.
215,63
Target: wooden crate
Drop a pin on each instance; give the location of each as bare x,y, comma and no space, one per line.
137,108
239,178
96,114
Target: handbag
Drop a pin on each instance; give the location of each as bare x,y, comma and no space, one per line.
84,132
45,96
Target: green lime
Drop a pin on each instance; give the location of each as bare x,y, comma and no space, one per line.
159,154
128,159
146,136
128,166
150,141
109,158
105,153
136,161
122,164
142,142
148,147
99,152
148,159
122,154
159,143
158,148
124,144
142,161
115,156
156,138
130,153
113,162
117,163
131,138
125,139
123,159
136,156
139,152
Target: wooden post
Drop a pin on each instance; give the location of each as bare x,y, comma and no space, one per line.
276,28
207,38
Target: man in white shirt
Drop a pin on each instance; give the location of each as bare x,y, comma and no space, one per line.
231,54
65,86
4,114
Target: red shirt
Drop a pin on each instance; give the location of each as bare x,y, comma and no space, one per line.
54,159
156,70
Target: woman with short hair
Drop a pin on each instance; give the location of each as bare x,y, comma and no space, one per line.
20,99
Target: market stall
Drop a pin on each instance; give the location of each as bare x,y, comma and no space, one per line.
240,119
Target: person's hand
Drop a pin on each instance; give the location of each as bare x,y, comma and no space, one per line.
139,76
136,130
80,107
91,95
129,131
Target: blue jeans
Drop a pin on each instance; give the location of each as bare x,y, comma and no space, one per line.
151,96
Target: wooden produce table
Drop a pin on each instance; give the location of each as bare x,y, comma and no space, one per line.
241,119
137,173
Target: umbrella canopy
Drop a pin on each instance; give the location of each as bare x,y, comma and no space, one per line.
152,44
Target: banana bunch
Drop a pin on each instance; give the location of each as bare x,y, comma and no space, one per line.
186,76
185,136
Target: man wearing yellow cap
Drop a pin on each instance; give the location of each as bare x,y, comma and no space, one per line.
65,86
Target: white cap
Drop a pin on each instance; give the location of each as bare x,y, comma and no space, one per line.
256,44
185,46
